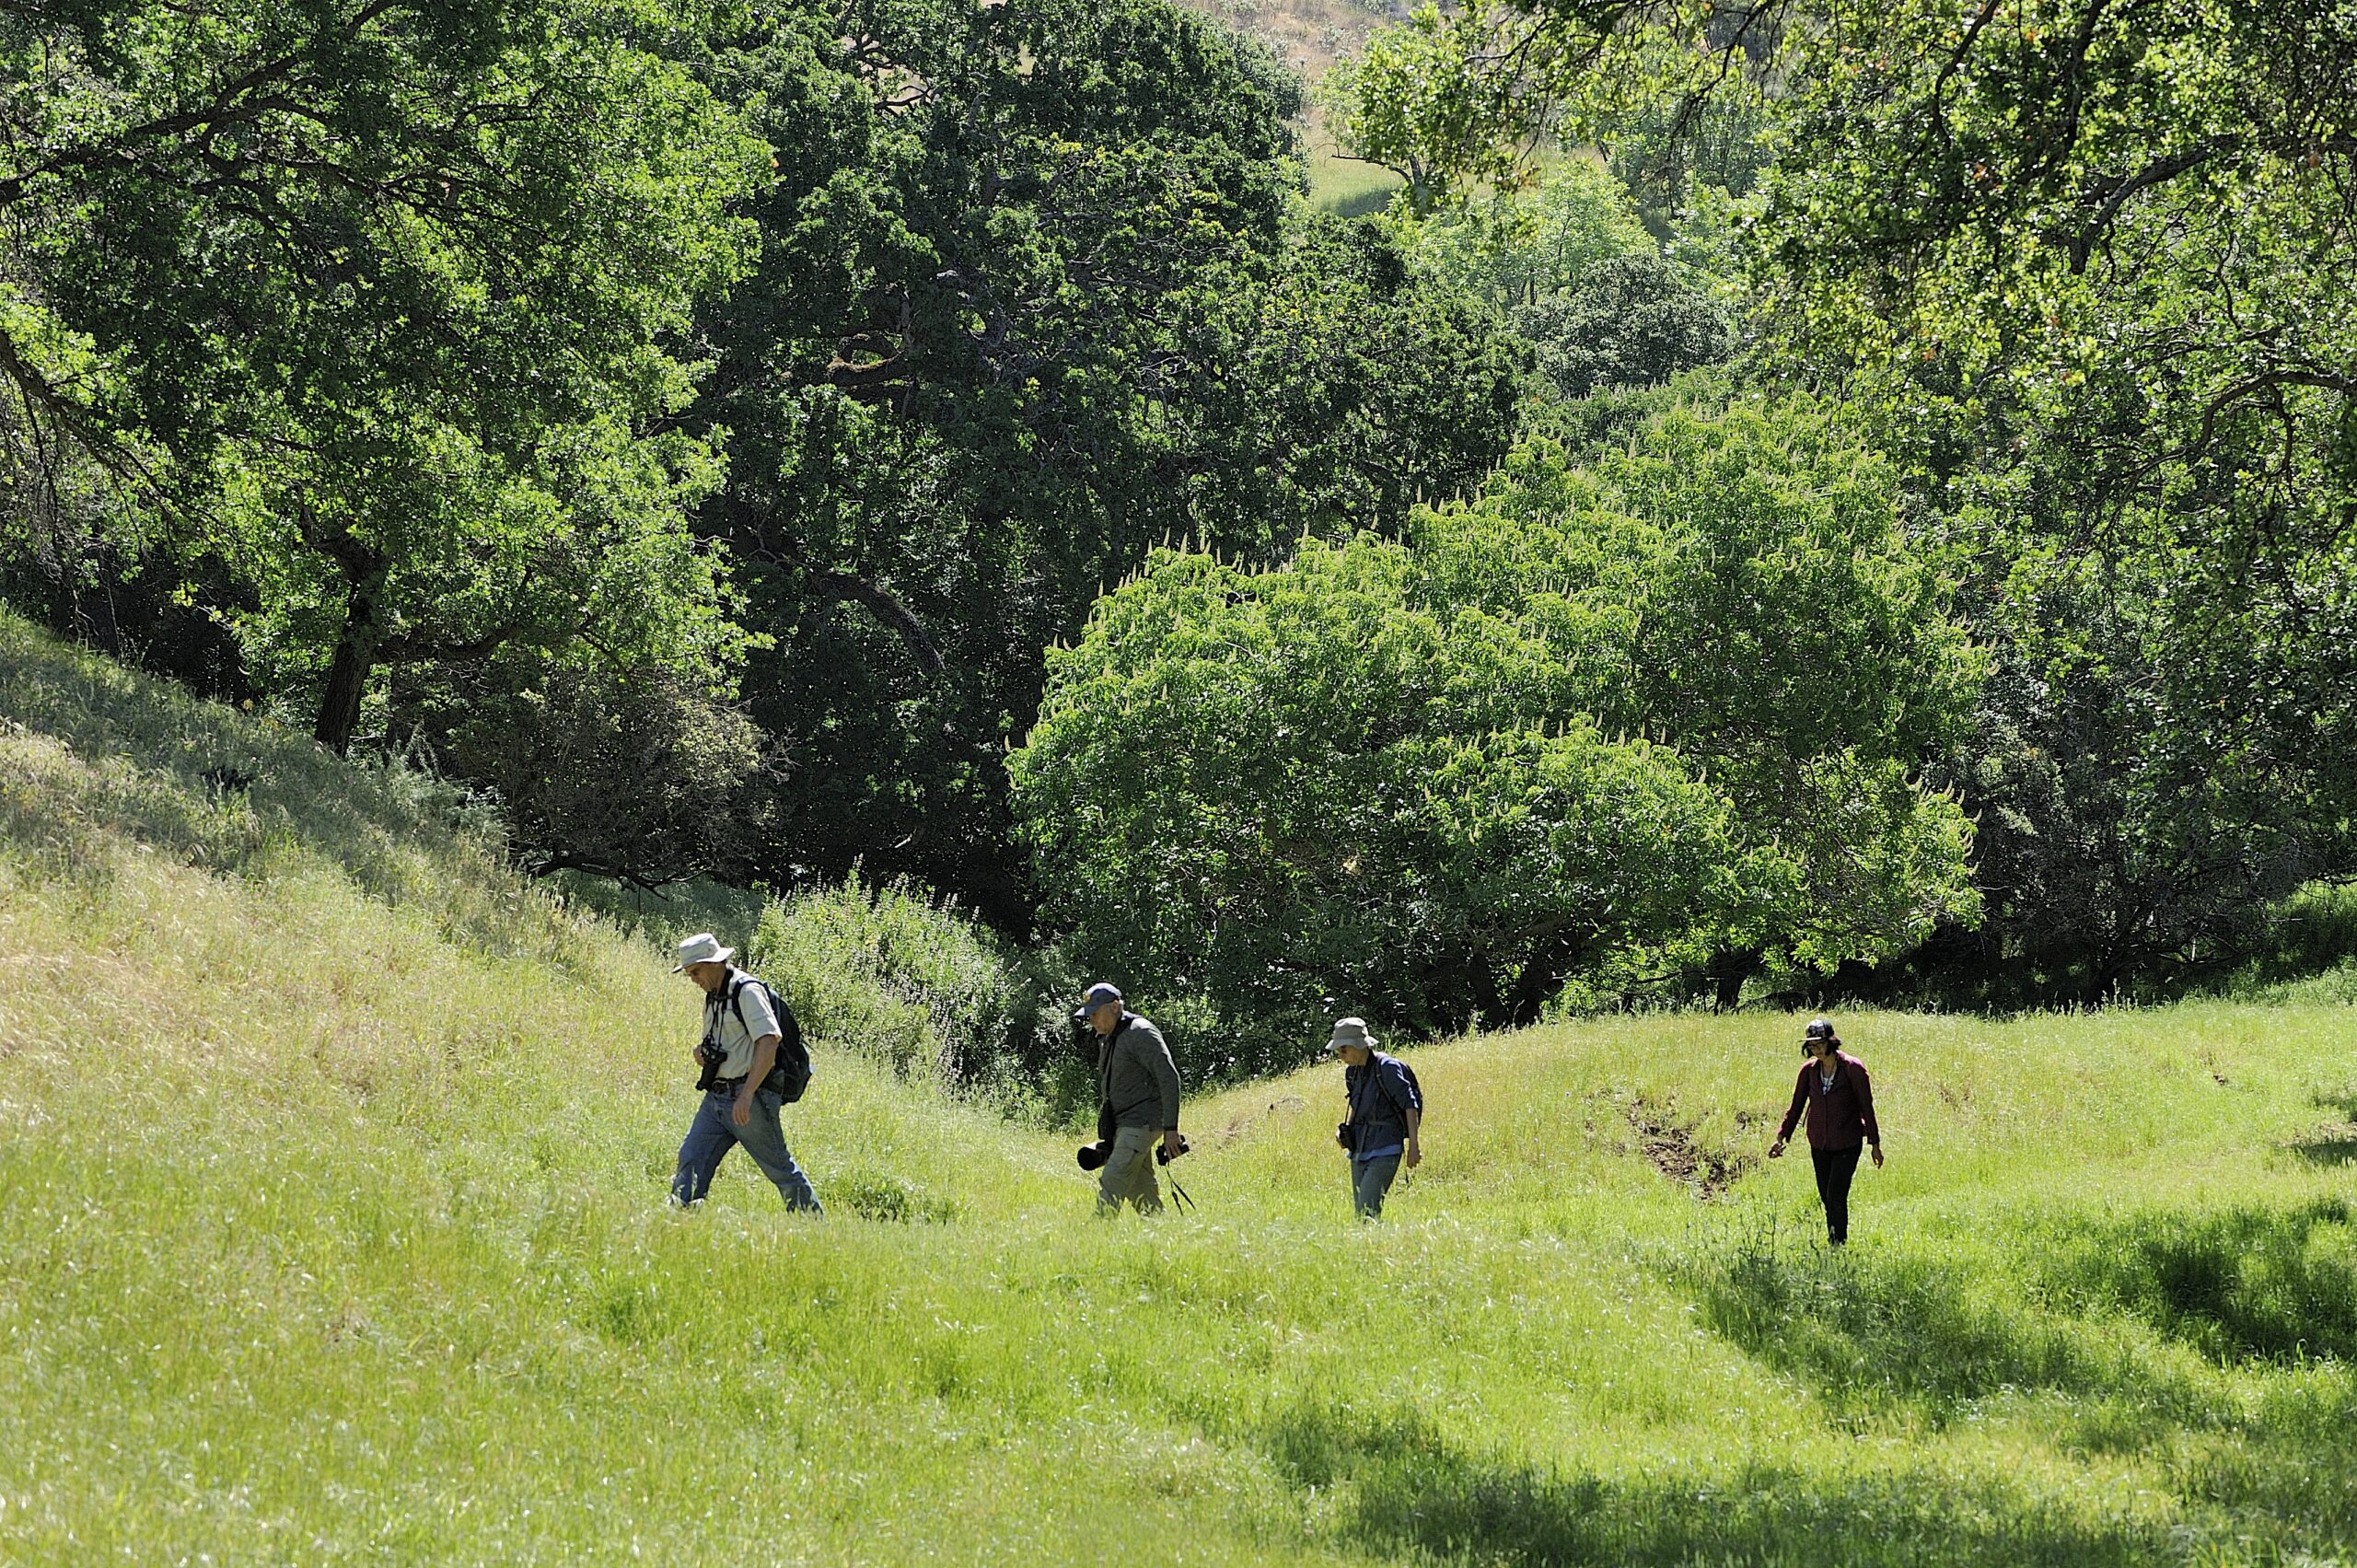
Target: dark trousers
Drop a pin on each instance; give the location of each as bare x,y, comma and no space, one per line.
1834,1169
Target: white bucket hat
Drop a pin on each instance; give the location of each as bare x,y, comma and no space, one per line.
703,947
1351,1031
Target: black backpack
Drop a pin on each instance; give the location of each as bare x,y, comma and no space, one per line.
1423,1105
790,1073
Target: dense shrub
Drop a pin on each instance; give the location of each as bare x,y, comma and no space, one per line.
922,986
1631,321
637,774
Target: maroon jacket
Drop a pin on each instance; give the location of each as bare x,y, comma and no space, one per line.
1840,1117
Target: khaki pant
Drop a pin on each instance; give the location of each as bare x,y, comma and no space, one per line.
1129,1173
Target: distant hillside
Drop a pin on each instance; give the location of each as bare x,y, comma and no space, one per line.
1310,35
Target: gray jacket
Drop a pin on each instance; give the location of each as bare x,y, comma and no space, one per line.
1137,1077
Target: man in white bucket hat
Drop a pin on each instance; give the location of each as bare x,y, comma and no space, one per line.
753,1063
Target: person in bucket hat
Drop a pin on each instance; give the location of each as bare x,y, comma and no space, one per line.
747,1065
1386,1115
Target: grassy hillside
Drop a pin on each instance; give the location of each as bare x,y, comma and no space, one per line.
1309,36
331,1163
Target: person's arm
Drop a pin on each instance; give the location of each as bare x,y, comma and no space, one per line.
1866,1109
764,1058
1792,1114
1166,1081
1411,1106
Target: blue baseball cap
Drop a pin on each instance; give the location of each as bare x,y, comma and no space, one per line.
1095,997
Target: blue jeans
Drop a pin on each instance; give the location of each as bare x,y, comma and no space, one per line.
713,1135
1370,1179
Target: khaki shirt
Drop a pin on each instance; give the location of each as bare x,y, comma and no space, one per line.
720,1022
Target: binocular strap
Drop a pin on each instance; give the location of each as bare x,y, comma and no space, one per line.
1183,1203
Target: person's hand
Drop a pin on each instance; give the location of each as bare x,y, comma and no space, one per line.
1415,1155
1171,1150
1878,1156
1776,1150
742,1115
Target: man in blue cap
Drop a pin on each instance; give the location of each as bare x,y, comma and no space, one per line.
1138,1093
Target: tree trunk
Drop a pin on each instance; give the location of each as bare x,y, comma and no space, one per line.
348,672
1728,971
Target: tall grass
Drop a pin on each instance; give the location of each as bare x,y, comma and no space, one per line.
332,1166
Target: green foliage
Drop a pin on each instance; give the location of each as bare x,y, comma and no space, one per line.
1517,244
1299,793
921,987
1632,322
1385,105
1378,778
1009,330
1579,278
366,297
2086,266
1741,589
637,776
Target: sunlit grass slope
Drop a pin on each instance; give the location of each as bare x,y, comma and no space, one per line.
332,1161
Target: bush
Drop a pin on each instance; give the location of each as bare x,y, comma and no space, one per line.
923,987
635,775
1632,322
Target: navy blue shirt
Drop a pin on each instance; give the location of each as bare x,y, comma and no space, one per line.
1381,1097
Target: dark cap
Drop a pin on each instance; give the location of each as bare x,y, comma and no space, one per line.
1818,1029
1095,997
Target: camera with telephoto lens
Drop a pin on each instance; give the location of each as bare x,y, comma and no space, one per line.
709,1054
1094,1155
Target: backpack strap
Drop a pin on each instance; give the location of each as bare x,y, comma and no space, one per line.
1374,1061
737,1000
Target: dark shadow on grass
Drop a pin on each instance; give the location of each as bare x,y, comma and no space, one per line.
1870,1329
2334,1145
2269,1284
2327,1145
1410,1490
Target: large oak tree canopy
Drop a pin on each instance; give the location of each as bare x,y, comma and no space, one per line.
366,295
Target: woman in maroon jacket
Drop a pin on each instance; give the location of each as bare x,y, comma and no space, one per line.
1840,1099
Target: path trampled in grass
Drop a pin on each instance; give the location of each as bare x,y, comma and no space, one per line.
331,1165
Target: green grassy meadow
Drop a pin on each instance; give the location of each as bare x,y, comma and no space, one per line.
332,1161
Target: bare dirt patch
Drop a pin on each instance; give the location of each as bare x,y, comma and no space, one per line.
1670,1147
1279,1110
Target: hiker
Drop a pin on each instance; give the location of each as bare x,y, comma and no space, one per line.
1387,1112
750,1069
1137,1100
1840,1099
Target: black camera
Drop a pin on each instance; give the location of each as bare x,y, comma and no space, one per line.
1164,1154
1343,1133
1094,1155
711,1056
